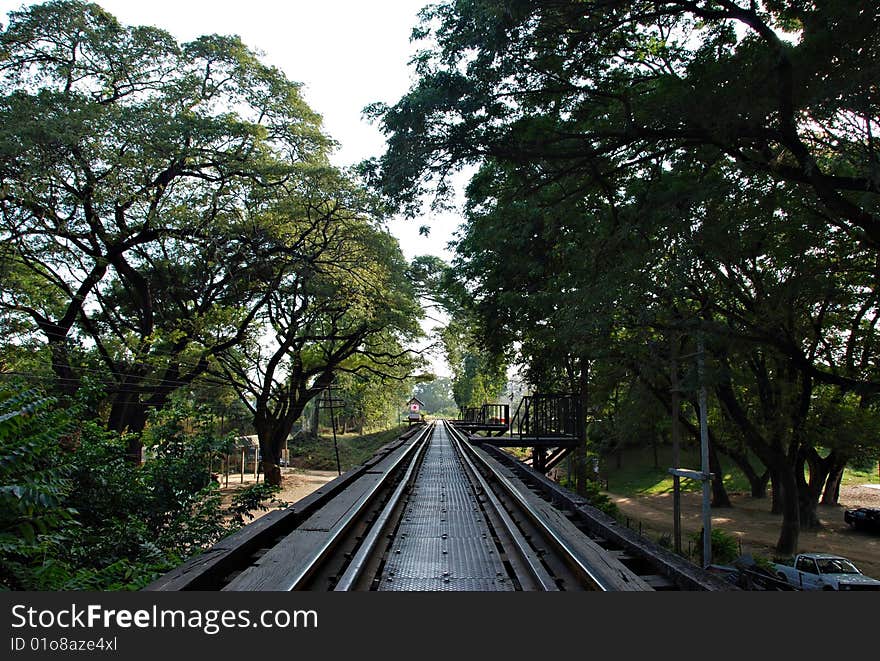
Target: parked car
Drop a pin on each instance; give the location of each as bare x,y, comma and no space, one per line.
747,574
824,571
863,518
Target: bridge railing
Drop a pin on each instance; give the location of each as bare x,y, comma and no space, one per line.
487,414
470,414
495,414
549,416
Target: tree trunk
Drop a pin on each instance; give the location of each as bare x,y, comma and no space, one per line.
831,493
128,414
809,515
271,434
271,472
828,474
808,491
580,451
757,483
775,492
274,428
270,449
719,493
791,521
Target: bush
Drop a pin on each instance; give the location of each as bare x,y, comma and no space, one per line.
77,514
594,496
725,547
599,500
33,486
260,496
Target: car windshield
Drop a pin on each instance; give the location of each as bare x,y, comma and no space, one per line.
836,566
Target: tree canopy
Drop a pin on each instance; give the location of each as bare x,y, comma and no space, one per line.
650,174
168,213
603,87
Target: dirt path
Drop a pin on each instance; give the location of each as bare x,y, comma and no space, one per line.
758,530
296,483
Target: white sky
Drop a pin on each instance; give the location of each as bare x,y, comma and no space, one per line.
346,53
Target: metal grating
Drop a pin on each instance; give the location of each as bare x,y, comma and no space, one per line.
447,585
443,542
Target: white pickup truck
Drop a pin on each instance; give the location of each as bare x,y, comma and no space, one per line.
823,571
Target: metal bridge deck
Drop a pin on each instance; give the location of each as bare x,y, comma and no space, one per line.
443,541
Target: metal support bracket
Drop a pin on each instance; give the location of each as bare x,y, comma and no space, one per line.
692,474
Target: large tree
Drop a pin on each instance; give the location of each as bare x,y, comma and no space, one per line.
782,87
779,299
659,170
336,299
127,162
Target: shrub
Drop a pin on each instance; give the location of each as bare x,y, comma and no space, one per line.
259,496
33,486
137,521
593,494
77,514
725,547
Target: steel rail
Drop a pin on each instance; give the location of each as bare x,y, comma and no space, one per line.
368,545
343,525
527,553
570,554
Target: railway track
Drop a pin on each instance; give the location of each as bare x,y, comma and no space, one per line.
429,512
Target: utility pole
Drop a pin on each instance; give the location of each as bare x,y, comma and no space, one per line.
676,448
704,456
332,403
703,475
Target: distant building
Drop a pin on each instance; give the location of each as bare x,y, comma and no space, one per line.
415,409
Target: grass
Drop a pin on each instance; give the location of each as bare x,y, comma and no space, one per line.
861,476
637,475
318,453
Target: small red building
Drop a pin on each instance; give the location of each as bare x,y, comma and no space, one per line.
415,410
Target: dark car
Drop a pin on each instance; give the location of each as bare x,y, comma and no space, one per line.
863,518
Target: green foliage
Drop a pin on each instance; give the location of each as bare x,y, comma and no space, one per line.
437,395
725,547
764,563
33,486
628,196
842,422
862,473
479,374
260,496
601,501
369,402
166,207
155,168
594,495
342,310
521,83
637,475
77,513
